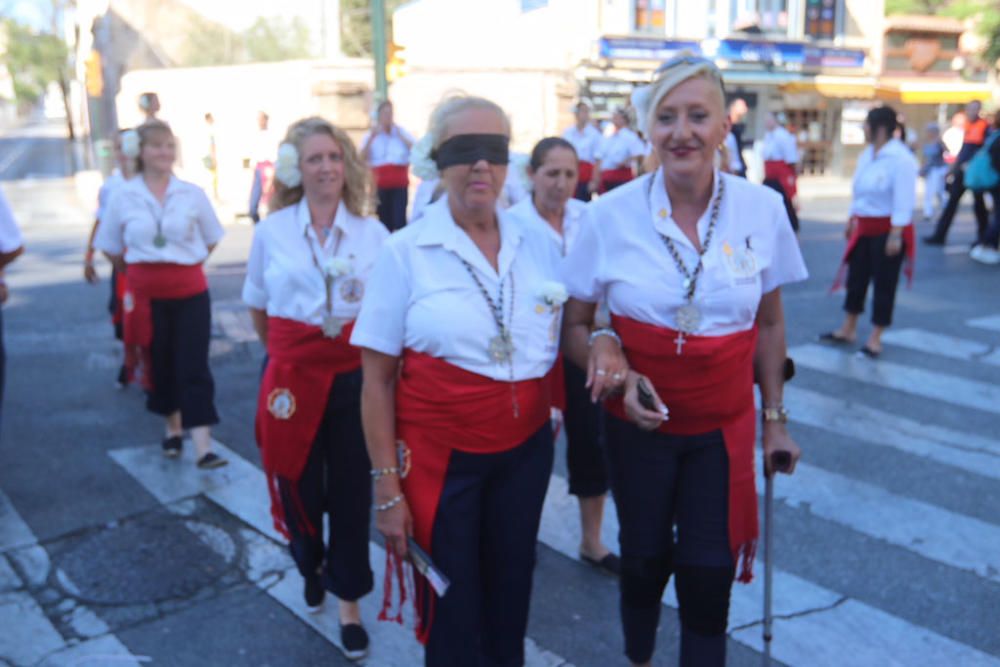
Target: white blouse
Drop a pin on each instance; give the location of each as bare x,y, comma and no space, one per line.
586,142
10,233
526,212
885,184
780,145
388,148
620,149
621,255
282,278
186,220
421,297
107,191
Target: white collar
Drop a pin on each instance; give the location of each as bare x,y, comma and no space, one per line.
343,219
438,228
661,209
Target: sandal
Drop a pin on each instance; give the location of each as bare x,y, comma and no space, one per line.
610,564
834,337
868,352
211,460
172,446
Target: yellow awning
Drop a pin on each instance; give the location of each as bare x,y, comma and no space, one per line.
844,87
921,91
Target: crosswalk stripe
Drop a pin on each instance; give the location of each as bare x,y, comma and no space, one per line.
857,421
991,322
14,532
943,345
241,489
919,382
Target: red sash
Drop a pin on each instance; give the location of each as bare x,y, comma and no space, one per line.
708,387
301,367
265,170
392,176
120,287
442,408
784,173
586,170
866,227
612,177
145,283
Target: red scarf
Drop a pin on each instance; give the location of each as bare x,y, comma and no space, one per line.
612,177
708,387
301,367
145,283
441,408
391,176
867,227
784,173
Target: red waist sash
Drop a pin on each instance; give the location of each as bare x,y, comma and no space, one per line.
391,176
615,177
265,170
708,387
586,170
301,367
877,226
784,173
146,282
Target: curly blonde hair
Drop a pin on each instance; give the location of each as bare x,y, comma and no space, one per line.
357,194
146,132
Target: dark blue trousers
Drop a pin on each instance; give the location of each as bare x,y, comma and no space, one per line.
584,424
484,540
582,192
392,207
661,482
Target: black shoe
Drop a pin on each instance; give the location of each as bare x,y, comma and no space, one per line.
211,460
172,446
354,641
122,380
314,593
933,239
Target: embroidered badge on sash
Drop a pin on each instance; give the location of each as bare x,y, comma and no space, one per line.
404,459
281,403
352,290
128,302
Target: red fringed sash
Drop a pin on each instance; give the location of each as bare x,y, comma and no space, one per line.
301,367
868,226
784,173
391,176
145,283
612,177
708,387
441,408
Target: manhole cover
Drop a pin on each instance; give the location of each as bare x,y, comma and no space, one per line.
149,560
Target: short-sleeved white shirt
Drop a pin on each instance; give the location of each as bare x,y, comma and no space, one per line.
780,145
282,278
586,142
421,297
885,184
388,148
526,212
187,221
108,189
619,149
10,233
620,255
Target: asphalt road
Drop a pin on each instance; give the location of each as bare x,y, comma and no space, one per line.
887,539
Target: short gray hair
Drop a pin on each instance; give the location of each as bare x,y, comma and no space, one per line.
455,104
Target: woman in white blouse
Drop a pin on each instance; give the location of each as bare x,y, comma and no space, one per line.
691,263
159,230
880,230
305,280
460,332
620,154
554,212
386,147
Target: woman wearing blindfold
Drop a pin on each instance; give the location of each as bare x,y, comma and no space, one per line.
691,262
459,334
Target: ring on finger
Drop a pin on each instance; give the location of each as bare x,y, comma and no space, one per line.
601,371
617,376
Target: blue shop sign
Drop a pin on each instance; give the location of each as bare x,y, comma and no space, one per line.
792,55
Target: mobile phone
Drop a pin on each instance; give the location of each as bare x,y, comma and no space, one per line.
425,566
781,461
646,399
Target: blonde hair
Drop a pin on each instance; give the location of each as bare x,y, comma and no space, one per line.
357,193
685,65
449,107
146,132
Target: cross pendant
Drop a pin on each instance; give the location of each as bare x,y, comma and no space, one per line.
680,342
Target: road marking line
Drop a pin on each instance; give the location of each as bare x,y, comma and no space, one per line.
919,382
992,322
943,345
14,532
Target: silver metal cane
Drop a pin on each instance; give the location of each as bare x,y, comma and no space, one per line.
779,461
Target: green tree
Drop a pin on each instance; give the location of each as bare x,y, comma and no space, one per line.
209,43
34,60
356,25
277,38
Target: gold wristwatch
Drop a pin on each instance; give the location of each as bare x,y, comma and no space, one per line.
778,414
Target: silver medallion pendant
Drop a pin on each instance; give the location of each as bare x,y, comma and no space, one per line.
688,318
332,326
159,240
502,348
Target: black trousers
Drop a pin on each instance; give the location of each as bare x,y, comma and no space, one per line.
869,264
182,379
661,482
992,236
336,482
114,306
584,423
793,216
582,191
484,540
956,189
392,207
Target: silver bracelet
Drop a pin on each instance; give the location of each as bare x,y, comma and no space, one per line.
389,504
606,331
379,473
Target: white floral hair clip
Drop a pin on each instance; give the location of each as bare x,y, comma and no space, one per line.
421,162
286,168
131,144
552,293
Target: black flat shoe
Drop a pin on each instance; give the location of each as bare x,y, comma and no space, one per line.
354,641
610,564
314,593
211,460
933,240
868,352
172,446
834,337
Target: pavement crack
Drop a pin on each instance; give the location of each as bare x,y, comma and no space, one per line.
798,614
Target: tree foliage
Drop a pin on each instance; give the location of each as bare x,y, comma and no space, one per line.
356,25
34,60
267,40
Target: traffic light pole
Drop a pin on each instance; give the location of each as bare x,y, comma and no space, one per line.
379,50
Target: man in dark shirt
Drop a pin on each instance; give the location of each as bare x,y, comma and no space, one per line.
975,134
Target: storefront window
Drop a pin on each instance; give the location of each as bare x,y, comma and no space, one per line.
765,16
651,16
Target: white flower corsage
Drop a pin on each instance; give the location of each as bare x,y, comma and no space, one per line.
421,163
336,267
552,293
131,144
286,168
